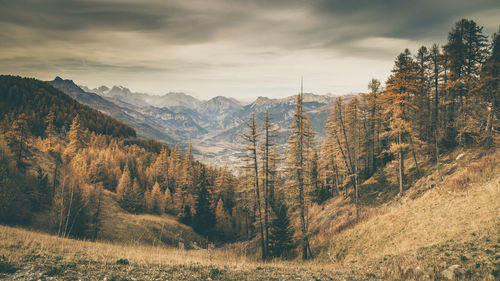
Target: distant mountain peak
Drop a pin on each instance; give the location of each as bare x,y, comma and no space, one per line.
262,101
103,88
66,84
223,99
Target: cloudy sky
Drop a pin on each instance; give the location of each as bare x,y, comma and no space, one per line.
237,48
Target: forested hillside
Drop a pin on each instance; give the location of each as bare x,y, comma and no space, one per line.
58,156
36,99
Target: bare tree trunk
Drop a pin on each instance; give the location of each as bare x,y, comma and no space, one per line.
436,147
252,138
401,167
257,193
336,177
345,161
414,155
373,136
356,160
300,177
266,180
345,136
61,210
69,210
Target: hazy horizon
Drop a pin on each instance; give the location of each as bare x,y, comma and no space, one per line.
227,48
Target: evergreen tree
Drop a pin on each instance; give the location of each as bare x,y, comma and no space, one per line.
204,218
281,236
14,202
186,217
373,136
436,67
17,138
466,50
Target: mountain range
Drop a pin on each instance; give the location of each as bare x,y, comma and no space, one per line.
213,126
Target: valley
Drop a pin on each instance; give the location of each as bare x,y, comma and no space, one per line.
214,127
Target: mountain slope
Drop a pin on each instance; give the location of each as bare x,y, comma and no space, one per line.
43,98
144,127
219,106
139,99
123,227
435,225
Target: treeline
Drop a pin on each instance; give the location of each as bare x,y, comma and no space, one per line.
441,98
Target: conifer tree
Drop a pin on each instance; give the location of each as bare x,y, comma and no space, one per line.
489,87
167,198
401,85
268,144
319,191
14,202
374,86
281,236
155,200
300,143
466,50
129,193
436,59
204,218
422,116
251,139
17,138
223,220
76,137
352,123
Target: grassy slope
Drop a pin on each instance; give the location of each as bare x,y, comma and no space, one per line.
27,255
427,230
126,228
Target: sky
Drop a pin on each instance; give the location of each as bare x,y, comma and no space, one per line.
237,48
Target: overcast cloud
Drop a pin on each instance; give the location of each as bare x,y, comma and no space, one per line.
237,48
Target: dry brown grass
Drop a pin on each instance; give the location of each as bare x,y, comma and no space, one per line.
478,171
435,217
126,228
38,254
70,250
